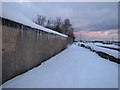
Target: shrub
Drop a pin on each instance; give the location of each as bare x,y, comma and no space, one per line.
89,48
118,60
111,58
102,54
82,45
93,50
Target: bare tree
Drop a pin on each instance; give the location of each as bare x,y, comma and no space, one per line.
58,21
41,20
66,26
49,22
58,24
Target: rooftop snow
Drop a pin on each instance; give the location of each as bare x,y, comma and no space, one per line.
17,16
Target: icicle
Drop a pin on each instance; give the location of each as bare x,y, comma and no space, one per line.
30,36
37,35
22,31
40,35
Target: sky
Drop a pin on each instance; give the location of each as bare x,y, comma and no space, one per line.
90,20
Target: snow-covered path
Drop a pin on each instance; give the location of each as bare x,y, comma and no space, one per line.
75,67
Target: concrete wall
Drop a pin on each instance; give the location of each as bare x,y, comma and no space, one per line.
24,47
0,52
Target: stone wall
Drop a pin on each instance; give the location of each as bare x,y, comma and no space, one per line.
24,47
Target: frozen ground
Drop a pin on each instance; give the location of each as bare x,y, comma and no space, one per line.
106,50
107,45
75,67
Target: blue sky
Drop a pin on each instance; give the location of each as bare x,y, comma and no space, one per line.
87,18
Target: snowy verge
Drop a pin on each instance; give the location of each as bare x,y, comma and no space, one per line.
107,45
106,50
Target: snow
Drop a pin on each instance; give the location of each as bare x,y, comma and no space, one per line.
17,16
106,50
107,45
75,67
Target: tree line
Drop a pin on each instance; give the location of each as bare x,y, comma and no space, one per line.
57,24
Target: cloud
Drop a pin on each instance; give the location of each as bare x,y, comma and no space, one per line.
64,12
104,19
97,35
80,23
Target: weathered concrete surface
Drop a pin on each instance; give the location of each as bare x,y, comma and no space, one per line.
25,49
0,54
